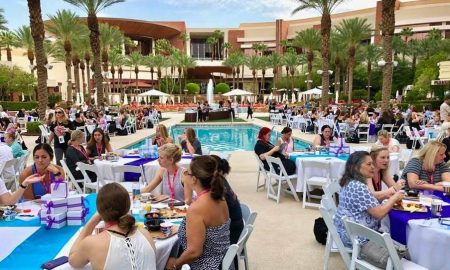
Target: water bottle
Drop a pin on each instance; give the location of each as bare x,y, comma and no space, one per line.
136,196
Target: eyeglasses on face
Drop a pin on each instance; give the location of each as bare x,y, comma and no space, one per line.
186,173
59,112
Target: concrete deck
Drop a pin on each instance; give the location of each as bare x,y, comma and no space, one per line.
283,236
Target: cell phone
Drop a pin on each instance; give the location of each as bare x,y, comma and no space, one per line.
55,263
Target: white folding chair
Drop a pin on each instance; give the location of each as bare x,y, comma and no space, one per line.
334,243
87,181
22,122
21,163
388,128
417,137
249,218
280,178
71,179
384,240
363,132
399,130
261,171
343,129
155,118
8,173
44,133
242,243
405,156
227,260
120,169
324,167
331,192
359,148
205,150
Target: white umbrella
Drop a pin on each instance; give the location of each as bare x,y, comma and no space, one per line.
237,92
293,98
125,99
154,92
270,96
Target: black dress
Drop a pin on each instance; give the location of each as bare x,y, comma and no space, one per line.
446,141
262,147
72,157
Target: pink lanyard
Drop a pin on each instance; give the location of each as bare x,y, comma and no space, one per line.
99,150
203,192
82,151
172,184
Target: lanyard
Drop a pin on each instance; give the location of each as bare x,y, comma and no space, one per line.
201,193
99,150
172,184
82,151
46,184
431,177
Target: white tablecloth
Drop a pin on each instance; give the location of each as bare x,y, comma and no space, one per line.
337,169
429,244
163,248
12,237
150,169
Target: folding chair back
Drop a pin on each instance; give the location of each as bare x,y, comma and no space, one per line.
71,178
229,256
318,180
280,178
261,170
88,183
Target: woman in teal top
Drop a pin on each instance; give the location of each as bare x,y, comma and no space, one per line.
10,140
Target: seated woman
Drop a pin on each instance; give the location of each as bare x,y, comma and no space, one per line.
42,156
264,148
380,158
205,233
427,169
10,140
161,136
76,153
234,206
444,137
170,174
122,245
8,198
357,203
325,138
286,142
98,144
189,142
385,140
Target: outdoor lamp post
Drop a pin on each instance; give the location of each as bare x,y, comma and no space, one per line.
320,72
383,63
185,95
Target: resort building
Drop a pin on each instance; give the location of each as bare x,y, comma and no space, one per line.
420,16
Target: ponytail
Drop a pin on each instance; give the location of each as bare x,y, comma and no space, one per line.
217,186
127,222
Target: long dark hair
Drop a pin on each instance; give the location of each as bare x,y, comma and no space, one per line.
223,166
352,168
46,147
113,205
204,168
92,142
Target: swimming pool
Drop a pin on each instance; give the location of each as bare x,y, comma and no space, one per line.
225,137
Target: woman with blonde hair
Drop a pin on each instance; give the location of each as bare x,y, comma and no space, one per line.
380,158
170,174
161,136
190,143
60,129
122,245
76,153
385,140
444,137
427,170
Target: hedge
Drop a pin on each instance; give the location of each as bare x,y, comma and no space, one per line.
33,128
15,106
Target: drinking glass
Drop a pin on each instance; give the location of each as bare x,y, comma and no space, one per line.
436,208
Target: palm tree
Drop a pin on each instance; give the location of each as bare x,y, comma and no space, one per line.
325,7
406,33
184,38
371,54
37,31
308,39
211,41
263,65
26,41
218,35
275,61
9,40
353,31
92,7
134,60
387,29
159,62
234,61
285,43
85,54
337,52
3,20
252,62
291,62
65,25
227,47
116,60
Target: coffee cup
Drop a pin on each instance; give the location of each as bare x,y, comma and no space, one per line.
446,186
166,228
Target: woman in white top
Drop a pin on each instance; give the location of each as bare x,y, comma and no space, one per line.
121,245
286,141
8,198
170,175
384,139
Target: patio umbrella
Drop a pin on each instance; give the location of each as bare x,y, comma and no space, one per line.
270,96
237,92
293,98
154,92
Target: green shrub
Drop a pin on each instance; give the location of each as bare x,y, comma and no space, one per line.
15,106
221,88
33,128
377,96
193,88
360,94
53,99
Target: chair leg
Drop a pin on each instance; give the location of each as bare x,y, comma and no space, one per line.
257,180
246,258
327,252
294,193
279,190
305,190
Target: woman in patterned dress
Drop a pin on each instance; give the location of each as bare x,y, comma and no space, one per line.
358,204
205,233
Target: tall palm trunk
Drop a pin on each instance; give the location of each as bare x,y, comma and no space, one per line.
68,49
122,91
76,72
114,83
275,76
83,77
87,58
388,27
233,72
8,54
325,33
309,76
369,78
37,31
337,75
95,47
351,64
30,55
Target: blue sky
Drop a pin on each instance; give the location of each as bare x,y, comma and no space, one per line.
196,13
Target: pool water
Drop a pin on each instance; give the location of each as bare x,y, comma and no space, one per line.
226,137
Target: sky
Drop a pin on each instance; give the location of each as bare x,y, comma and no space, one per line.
196,13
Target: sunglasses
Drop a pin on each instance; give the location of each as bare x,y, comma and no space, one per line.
59,112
